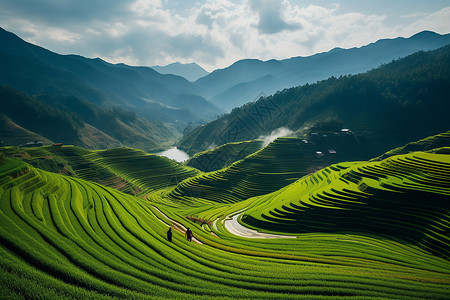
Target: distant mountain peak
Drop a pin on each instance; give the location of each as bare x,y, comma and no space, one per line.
190,71
425,33
336,49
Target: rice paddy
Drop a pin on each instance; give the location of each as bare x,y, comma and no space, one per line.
275,166
224,155
364,230
406,196
128,170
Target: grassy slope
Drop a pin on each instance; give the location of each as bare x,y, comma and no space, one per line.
65,237
70,120
277,165
128,170
13,134
224,155
404,196
369,104
426,144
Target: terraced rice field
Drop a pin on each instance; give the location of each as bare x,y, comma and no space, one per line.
405,196
277,165
224,155
64,237
128,170
440,141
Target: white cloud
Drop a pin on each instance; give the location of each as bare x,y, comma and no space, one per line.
279,132
213,33
438,21
143,7
272,16
414,15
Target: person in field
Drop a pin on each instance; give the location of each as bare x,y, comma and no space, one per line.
189,234
169,234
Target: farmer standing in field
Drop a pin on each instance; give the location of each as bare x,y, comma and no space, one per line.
169,234
188,234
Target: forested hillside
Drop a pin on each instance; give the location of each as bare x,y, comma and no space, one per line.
248,79
439,143
223,156
69,120
392,105
165,98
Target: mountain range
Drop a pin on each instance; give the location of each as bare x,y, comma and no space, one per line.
397,103
191,71
35,70
246,80
70,120
168,104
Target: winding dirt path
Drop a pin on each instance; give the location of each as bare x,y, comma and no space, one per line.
233,226
175,225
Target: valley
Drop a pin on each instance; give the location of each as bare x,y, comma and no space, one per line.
298,180
356,229
103,105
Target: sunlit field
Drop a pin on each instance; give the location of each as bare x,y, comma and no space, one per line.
66,237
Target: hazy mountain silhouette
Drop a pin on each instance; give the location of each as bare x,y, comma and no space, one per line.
35,70
69,120
246,80
171,103
191,71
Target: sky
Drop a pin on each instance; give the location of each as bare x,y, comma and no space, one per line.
215,33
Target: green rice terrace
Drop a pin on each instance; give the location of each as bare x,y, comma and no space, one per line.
269,169
128,170
278,224
224,155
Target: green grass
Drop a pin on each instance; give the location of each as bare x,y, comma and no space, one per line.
427,144
65,237
224,155
404,196
128,170
275,166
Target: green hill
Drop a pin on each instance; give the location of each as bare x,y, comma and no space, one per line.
63,237
403,101
223,156
363,229
69,120
433,142
13,134
128,170
275,166
404,196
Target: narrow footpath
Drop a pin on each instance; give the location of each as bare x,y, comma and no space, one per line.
175,225
233,226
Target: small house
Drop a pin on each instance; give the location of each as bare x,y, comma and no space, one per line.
33,144
346,131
